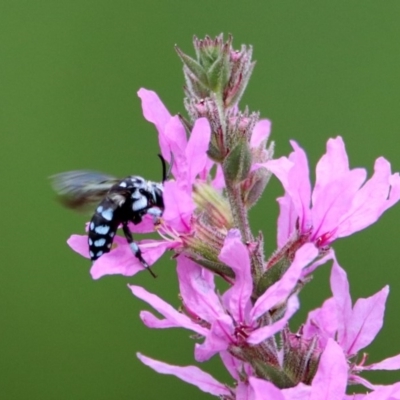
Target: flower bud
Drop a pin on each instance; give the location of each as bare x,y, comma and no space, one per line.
218,69
213,205
237,163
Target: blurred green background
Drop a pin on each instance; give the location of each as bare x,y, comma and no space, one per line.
69,72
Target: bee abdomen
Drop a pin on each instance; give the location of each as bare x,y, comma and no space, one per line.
102,229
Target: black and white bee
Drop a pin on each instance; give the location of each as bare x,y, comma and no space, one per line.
117,202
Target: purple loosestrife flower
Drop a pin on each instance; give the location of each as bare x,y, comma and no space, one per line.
329,383
228,322
340,204
353,327
190,161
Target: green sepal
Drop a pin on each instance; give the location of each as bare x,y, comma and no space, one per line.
273,374
214,153
214,266
193,66
257,181
272,275
237,163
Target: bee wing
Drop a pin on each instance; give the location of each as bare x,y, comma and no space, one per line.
82,190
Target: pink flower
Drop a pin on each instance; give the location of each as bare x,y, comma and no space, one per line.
329,383
190,161
353,327
340,204
229,321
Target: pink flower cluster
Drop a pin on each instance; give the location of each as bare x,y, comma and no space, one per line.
229,323
240,324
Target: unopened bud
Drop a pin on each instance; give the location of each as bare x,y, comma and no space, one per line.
218,69
213,205
237,163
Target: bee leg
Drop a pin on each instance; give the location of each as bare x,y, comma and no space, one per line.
135,248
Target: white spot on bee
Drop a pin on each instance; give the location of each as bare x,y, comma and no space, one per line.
100,242
111,234
102,229
134,247
139,204
90,242
123,184
136,195
91,226
100,209
107,214
99,253
91,254
109,246
155,212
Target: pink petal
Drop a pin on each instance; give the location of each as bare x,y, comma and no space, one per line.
154,111
390,392
280,290
333,201
394,191
190,374
219,180
176,138
287,219
179,206
390,364
79,243
370,201
260,334
265,390
330,381
365,322
260,132
146,226
121,260
235,366
198,290
322,322
243,391
166,310
332,165
330,254
300,186
218,339
151,321
293,173
235,254
358,380
299,392
196,150
281,168
341,294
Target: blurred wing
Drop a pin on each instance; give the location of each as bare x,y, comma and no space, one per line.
82,190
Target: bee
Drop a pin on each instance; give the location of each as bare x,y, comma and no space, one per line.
117,202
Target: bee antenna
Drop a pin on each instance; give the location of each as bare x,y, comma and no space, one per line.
166,174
